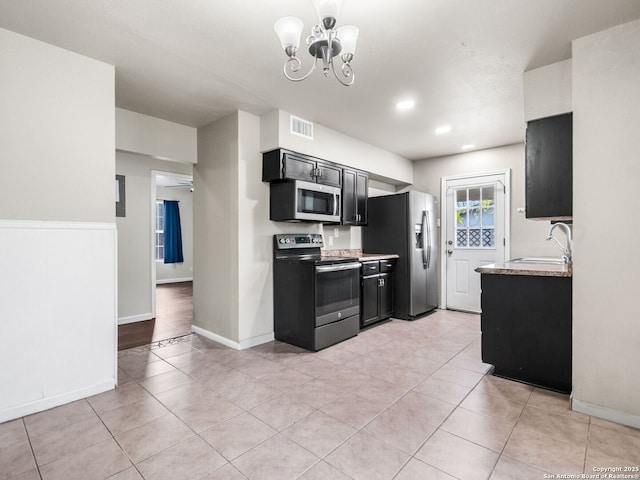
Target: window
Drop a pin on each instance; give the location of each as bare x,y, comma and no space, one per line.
475,217
159,230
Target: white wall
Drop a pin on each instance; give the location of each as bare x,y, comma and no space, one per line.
135,275
52,160
138,133
255,286
334,146
527,236
178,272
233,277
215,231
57,230
547,91
606,174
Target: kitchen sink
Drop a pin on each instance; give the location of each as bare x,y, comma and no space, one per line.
543,260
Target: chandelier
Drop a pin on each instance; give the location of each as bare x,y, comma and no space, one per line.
325,43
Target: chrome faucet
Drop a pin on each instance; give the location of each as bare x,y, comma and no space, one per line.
566,250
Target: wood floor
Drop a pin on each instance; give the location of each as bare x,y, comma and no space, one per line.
174,313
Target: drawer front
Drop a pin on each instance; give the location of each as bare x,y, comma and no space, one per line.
387,266
370,268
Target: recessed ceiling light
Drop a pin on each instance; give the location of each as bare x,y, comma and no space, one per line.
468,146
443,129
405,104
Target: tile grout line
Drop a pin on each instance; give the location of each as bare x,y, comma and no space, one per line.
586,449
412,455
228,460
117,443
196,434
511,434
443,422
35,460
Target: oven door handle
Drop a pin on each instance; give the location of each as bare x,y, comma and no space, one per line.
338,268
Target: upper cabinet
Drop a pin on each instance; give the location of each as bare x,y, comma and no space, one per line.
283,164
355,188
548,103
280,165
549,168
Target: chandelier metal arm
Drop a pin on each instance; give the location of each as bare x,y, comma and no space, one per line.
347,73
293,64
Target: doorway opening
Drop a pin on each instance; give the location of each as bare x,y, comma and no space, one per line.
171,278
475,216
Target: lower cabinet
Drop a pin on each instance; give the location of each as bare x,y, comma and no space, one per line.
376,292
526,328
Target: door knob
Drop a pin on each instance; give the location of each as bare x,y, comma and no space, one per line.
450,242
449,251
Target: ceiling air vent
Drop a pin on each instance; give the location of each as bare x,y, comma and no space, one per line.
301,127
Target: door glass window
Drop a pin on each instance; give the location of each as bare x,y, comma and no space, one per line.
475,217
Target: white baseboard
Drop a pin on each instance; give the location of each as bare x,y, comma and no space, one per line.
606,413
251,342
135,318
51,402
255,341
174,280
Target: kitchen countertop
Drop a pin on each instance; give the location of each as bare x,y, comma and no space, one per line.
363,257
531,269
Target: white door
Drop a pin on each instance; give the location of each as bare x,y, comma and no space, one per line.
475,234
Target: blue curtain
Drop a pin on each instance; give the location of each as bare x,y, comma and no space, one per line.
172,233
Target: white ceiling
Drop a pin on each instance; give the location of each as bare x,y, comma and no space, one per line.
196,61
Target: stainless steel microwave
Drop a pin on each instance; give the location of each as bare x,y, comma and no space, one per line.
299,201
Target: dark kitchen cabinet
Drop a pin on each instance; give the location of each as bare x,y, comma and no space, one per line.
355,189
369,300
376,294
385,295
284,164
526,327
549,168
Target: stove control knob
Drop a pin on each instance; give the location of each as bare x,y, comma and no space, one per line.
282,240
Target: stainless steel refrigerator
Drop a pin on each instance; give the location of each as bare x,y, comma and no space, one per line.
405,223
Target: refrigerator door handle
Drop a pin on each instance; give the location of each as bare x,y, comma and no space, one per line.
428,233
424,232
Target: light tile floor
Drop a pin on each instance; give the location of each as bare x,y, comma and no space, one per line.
403,400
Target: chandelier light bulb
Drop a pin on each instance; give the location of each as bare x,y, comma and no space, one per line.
328,8
289,30
348,36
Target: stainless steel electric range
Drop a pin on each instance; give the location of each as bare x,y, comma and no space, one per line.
316,299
